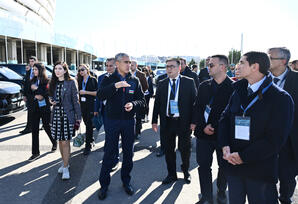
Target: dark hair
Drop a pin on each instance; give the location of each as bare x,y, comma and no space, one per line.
33,58
42,76
295,61
180,58
259,57
222,58
79,77
54,78
110,59
177,60
194,66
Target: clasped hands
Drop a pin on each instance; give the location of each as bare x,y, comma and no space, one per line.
232,158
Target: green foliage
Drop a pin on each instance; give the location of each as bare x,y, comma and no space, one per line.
192,62
202,63
236,56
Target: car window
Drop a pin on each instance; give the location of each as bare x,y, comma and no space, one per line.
10,74
159,72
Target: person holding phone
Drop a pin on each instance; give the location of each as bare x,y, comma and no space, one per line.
66,112
40,108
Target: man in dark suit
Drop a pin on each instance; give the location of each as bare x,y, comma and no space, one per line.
286,79
185,71
204,73
213,97
175,107
141,76
28,97
252,130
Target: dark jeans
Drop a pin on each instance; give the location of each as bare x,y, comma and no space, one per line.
87,117
205,150
45,115
257,192
113,130
184,144
287,175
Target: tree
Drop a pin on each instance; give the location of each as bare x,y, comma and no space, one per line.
192,62
202,63
236,56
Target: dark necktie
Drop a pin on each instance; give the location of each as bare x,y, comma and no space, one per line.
249,91
172,97
275,80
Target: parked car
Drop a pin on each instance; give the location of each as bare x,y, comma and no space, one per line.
11,98
157,73
21,69
7,74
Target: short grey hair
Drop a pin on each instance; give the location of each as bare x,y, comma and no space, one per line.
119,56
283,52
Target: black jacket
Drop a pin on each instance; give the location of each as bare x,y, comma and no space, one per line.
204,75
291,86
117,98
216,94
186,102
271,119
41,90
187,72
89,104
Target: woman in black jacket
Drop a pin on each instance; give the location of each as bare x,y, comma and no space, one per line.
40,109
87,90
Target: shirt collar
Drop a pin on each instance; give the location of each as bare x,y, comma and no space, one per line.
177,77
256,85
280,77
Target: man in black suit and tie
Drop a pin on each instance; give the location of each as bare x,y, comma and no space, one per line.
175,107
286,79
204,73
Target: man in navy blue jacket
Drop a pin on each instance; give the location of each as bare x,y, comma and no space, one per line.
286,79
124,98
252,130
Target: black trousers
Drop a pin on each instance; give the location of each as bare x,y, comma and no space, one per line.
287,173
184,144
205,150
87,118
147,98
45,115
29,105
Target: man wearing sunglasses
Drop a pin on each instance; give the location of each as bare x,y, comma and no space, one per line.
213,97
286,79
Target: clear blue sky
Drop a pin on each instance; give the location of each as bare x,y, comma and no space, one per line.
188,27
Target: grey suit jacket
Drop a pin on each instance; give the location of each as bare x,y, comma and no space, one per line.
70,100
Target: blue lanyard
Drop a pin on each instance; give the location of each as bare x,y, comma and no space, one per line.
37,82
84,84
176,88
254,100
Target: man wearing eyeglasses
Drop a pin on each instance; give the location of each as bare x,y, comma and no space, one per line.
213,97
124,97
175,107
252,129
286,79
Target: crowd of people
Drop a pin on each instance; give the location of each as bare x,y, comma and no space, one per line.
246,113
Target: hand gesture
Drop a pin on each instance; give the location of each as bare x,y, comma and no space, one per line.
209,130
121,84
128,107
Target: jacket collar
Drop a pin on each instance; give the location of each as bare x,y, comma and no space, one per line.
117,75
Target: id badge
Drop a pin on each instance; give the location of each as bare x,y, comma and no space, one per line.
42,103
83,99
174,107
207,112
242,127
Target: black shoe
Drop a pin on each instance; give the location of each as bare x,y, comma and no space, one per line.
34,157
204,201
86,151
169,179
115,167
221,197
54,147
26,131
128,189
187,177
102,193
160,153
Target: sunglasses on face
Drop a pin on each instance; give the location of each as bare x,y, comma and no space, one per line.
81,70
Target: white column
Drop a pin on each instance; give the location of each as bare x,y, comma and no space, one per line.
43,54
61,54
12,51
